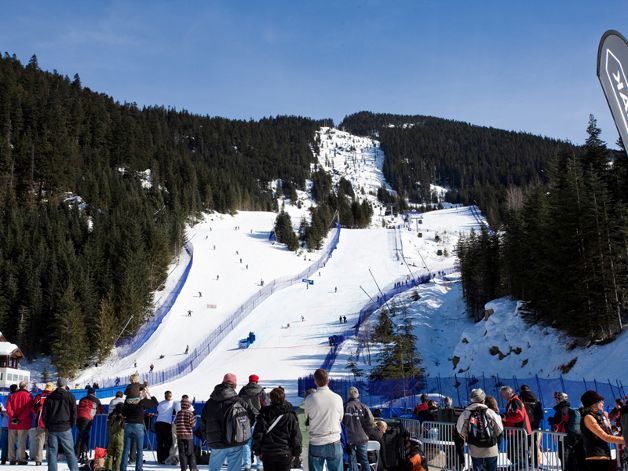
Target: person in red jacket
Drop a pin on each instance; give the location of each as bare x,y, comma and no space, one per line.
19,410
41,435
423,406
514,417
88,407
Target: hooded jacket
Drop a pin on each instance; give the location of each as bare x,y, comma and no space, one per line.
254,394
462,426
134,411
357,421
284,439
212,417
59,411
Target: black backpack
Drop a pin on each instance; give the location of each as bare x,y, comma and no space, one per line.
237,426
481,429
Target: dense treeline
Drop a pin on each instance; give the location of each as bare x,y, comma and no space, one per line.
564,248
478,163
74,274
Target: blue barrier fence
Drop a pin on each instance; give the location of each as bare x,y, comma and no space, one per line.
404,394
198,354
131,344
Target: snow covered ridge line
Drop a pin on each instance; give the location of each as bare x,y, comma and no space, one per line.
133,343
198,355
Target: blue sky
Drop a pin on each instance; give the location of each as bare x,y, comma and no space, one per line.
524,65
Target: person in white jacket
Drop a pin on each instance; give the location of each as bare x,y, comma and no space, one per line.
324,410
481,427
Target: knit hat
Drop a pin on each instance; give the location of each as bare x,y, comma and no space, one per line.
230,378
561,396
590,397
62,382
477,395
353,392
253,379
49,387
91,390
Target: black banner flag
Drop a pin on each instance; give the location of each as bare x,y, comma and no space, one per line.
612,70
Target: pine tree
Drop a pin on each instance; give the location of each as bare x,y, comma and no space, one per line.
69,344
106,328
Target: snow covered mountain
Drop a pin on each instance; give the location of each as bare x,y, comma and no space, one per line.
232,255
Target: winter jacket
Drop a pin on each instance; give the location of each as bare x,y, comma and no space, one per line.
134,390
20,410
427,415
185,422
88,407
516,415
284,439
596,436
134,411
534,409
325,411
255,395
59,411
462,426
420,408
212,417
357,421
38,407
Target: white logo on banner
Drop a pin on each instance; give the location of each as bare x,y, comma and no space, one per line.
617,77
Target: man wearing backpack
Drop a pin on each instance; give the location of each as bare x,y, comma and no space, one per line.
226,425
480,427
566,420
255,396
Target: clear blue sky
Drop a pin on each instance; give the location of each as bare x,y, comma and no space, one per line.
523,65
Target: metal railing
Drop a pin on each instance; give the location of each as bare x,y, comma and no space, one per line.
444,448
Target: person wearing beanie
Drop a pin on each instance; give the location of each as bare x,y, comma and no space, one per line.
256,397
40,432
59,416
358,422
185,422
324,411
596,433
222,400
277,438
481,456
88,407
19,410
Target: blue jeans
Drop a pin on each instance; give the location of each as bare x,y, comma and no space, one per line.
133,433
246,451
233,455
67,445
359,455
4,443
318,454
484,464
